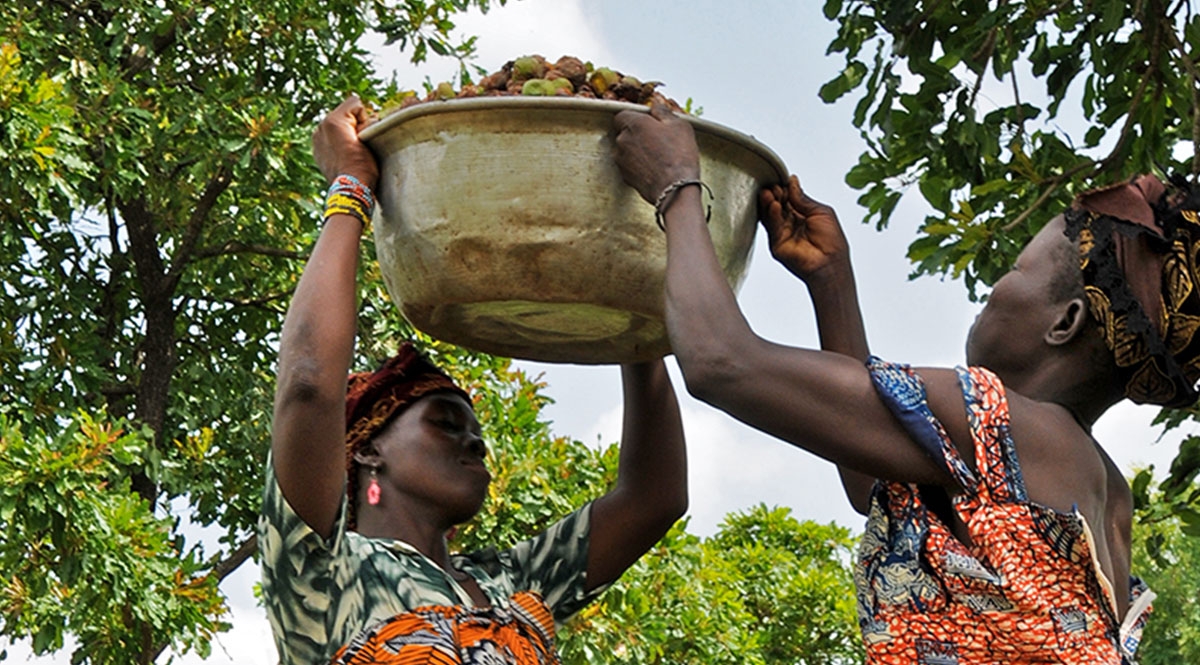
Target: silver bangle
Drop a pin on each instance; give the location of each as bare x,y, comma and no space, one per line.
664,199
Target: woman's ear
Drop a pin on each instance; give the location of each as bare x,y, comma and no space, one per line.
1071,320
368,457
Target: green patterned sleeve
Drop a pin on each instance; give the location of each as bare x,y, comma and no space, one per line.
555,564
300,570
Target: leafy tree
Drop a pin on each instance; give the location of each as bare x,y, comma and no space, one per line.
992,164
765,589
157,198
157,201
944,105
1167,553
83,553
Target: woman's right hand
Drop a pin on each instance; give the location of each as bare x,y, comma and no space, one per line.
804,235
654,150
336,147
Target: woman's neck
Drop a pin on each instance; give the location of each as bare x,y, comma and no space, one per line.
426,536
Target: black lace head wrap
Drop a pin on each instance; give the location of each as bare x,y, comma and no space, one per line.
1139,246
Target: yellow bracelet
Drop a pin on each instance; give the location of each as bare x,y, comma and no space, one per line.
348,196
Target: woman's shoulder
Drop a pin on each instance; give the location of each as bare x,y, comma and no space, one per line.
1062,465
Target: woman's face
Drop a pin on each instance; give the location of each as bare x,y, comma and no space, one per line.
1022,306
433,458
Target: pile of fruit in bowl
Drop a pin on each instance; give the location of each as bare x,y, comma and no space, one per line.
535,76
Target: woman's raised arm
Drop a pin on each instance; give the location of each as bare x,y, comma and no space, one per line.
317,343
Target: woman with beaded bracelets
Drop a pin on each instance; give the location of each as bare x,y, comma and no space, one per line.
368,473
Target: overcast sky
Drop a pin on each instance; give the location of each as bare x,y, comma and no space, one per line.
755,67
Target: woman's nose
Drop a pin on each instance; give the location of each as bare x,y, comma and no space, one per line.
476,445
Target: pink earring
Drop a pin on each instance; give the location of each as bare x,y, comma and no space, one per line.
373,489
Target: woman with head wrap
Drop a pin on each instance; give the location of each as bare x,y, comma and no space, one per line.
368,474
998,529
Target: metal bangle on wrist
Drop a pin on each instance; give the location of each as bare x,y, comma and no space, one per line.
668,194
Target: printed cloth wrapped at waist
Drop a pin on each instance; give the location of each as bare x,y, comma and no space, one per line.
520,634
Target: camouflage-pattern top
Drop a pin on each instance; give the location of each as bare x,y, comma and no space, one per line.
320,592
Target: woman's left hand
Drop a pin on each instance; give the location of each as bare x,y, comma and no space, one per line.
804,235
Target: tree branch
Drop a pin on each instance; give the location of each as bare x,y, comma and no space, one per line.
143,245
141,58
1051,10
118,390
234,247
204,205
235,559
220,571
79,10
253,302
180,166
1017,95
1053,184
911,28
119,260
1127,128
984,53
1193,71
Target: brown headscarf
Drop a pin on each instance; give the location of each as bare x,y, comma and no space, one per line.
1139,245
374,399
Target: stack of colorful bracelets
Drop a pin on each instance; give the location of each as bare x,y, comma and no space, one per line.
348,196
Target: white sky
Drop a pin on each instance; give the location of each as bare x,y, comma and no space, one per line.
756,67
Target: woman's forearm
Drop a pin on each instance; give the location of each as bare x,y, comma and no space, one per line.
703,320
653,460
317,341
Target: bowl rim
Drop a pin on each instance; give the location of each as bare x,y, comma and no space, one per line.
568,104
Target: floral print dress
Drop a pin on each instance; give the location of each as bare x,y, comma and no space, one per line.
357,600
1027,590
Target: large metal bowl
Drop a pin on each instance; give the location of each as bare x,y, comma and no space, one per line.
503,225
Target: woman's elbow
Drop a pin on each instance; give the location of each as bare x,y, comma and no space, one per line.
305,384
668,512
707,375
713,360
679,508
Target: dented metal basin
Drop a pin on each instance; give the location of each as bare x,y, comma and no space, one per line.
503,225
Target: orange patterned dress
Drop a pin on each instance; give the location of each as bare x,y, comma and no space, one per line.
520,634
1027,590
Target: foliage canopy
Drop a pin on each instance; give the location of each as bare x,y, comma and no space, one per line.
945,103
157,200
1166,553
156,192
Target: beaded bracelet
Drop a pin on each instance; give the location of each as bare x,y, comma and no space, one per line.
348,196
660,204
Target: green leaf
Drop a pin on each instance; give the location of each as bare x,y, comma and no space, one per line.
1139,488
923,248
849,79
861,175
936,193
